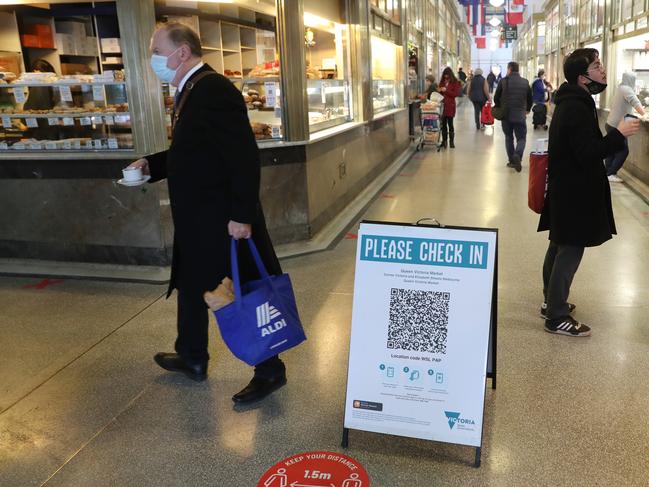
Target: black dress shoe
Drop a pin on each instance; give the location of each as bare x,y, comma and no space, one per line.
174,363
258,388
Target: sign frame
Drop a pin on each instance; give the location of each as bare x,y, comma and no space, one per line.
491,368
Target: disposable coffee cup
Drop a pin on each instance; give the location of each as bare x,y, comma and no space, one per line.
132,173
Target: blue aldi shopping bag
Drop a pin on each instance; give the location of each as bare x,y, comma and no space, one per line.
263,319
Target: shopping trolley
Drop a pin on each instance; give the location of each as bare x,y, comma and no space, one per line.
431,112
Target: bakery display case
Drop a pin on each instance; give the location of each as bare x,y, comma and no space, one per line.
328,103
387,75
47,112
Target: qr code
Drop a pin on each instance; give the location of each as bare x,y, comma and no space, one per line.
418,320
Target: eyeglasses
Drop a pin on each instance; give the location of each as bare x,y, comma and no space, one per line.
597,67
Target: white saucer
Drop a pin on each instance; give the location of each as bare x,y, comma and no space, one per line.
139,182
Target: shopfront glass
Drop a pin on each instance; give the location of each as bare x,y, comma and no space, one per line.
632,56
239,41
62,85
327,60
387,75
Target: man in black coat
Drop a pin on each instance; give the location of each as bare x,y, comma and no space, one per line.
577,209
213,170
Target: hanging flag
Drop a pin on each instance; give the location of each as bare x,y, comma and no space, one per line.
481,42
514,15
518,2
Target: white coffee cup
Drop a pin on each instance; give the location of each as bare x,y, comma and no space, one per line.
132,173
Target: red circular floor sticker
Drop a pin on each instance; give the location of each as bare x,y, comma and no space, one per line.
316,469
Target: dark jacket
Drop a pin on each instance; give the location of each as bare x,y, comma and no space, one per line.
477,89
491,79
453,90
212,169
538,91
577,208
516,93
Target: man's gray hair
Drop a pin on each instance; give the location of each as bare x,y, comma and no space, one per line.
180,34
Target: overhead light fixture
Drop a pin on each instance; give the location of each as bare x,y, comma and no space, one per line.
495,34
495,21
496,3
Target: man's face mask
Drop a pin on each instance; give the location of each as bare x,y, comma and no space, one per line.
595,87
160,68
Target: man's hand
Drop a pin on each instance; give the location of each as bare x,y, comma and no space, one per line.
629,126
239,230
143,164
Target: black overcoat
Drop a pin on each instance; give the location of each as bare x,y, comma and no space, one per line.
213,170
577,208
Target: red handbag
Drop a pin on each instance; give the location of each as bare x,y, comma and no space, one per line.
486,117
538,181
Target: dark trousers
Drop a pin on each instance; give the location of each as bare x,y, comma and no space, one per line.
477,112
193,321
511,129
559,269
447,128
615,162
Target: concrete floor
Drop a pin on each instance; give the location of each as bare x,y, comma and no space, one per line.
83,404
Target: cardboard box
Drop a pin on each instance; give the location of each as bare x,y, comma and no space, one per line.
30,40
111,45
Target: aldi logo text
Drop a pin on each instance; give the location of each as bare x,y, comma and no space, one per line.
265,315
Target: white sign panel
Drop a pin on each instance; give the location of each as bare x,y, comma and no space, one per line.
420,332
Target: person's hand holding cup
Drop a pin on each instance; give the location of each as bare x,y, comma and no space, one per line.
136,170
630,125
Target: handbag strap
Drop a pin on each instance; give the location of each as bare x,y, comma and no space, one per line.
189,86
234,264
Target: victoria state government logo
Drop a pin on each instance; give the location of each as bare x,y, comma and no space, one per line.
454,419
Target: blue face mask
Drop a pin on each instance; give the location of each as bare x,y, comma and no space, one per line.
160,68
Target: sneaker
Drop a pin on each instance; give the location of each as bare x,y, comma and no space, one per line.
567,326
613,178
544,310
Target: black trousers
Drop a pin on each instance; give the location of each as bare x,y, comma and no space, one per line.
559,269
447,127
191,343
477,112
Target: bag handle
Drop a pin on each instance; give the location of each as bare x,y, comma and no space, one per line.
234,263
189,86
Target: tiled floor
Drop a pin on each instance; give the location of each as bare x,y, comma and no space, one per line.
83,404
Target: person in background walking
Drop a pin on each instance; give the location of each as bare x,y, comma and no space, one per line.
515,93
624,102
491,79
450,88
478,91
540,95
577,208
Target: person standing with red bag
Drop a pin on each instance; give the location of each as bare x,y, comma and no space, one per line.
450,88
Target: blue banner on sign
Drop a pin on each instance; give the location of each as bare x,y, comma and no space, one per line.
446,253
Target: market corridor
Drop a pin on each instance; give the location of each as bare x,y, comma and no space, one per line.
83,403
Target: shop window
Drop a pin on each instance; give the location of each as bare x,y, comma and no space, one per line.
62,86
387,77
632,56
239,41
327,60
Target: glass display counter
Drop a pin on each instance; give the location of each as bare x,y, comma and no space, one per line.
328,103
45,112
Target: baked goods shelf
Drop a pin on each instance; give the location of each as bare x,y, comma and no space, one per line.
59,84
66,115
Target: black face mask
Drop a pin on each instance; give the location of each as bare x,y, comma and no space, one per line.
595,87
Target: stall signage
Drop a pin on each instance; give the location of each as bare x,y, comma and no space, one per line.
6,122
88,144
316,469
51,145
109,120
76,144
98,92
53,121
121,119
511,32
35,146
67,145
85,121
96,144
68,121
112,144
19,95
421,322
97,120
66,94
4,146
271,96
31,122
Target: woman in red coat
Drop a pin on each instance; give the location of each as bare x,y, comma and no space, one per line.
451,88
